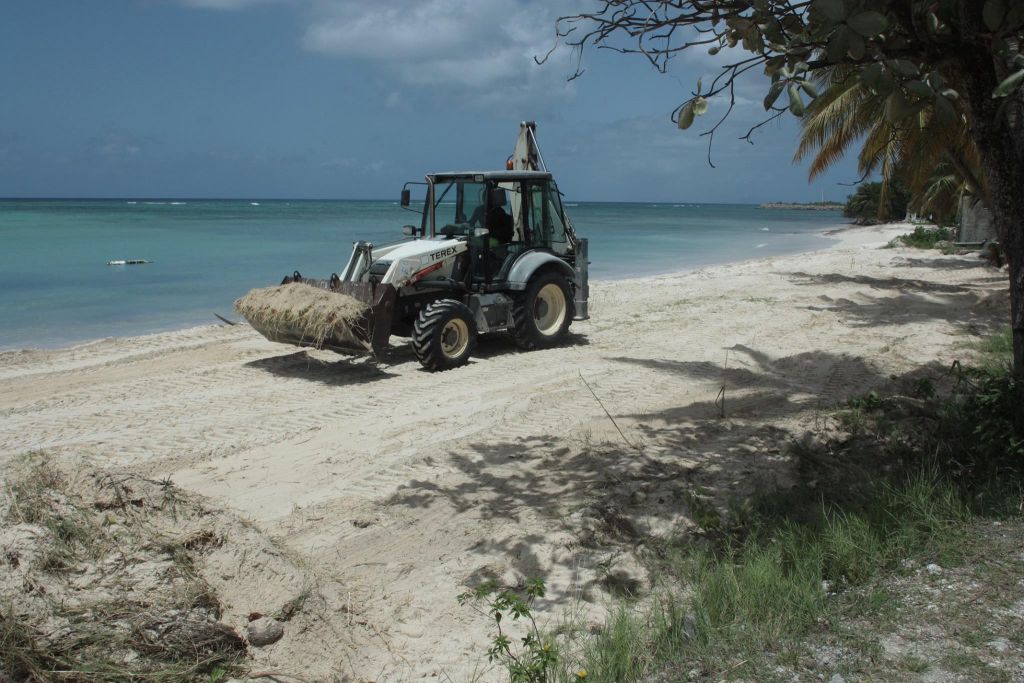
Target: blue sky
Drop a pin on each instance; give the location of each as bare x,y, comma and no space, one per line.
348,99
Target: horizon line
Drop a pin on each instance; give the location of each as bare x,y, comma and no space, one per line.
395,201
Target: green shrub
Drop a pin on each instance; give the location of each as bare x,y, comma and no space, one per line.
927,238
866,206
982,426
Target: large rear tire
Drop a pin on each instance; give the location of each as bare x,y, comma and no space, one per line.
543,314
444,335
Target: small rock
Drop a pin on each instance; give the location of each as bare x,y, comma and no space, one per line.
837,678
933,568
690,625
999,644
826,586
264,631
637,497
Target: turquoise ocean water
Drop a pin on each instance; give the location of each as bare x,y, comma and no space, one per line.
56,289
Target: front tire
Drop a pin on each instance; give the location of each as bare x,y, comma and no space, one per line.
543,314
444,335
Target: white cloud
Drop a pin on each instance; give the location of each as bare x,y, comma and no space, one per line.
467,44
478,52
118,145
224,4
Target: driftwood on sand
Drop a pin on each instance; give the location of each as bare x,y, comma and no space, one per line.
297,309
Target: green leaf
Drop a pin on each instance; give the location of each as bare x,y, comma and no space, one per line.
686,115
700,105
796,103
993,13
1015,17
919,89
857,48
809,88
772,30
870,74
933,22
739,23
773,64
944,109
897,107
773,94
905,68
1009,84
868,23
833,9
885,83
838,45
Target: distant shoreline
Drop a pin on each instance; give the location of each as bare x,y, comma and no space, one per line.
803,206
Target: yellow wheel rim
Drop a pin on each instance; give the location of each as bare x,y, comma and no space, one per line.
549,309
454,338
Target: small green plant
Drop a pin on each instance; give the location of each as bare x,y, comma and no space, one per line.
922,387
534,661
868,402
985,417
915,664
927,238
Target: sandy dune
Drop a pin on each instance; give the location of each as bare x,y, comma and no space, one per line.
397,488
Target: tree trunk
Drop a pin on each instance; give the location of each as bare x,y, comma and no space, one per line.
1009,218
1005,172
997,126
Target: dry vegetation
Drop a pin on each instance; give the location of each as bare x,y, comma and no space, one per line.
318,315
99,580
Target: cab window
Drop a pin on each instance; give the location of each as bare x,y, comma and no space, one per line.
455,204
546,226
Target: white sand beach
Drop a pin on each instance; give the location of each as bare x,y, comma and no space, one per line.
385,491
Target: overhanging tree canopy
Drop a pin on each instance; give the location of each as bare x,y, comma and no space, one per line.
940,54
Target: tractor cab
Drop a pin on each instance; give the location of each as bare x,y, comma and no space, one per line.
500,214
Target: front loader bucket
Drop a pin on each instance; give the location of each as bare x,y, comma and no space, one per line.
367,334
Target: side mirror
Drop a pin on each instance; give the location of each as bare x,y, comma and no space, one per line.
497,197
405,197
409,230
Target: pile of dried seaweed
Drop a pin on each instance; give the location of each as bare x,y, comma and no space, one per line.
298,310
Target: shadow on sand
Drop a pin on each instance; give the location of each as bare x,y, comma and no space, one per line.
610,498
355,369
972,306
343,372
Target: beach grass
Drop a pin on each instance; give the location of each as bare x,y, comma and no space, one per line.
741,598
102,587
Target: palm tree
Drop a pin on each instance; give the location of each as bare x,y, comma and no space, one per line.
931,152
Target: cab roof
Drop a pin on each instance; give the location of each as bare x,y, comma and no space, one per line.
497,176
